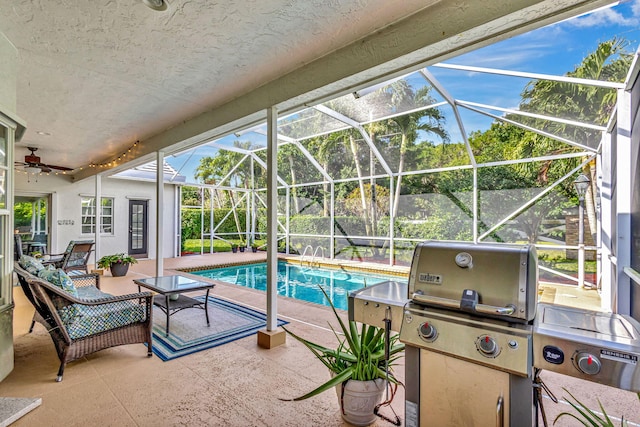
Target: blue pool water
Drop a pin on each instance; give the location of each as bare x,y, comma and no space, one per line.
300,282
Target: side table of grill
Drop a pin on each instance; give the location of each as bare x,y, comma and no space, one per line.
170,287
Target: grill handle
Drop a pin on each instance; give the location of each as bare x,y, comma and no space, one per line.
500,412
451,303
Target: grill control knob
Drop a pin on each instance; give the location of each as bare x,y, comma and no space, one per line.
487,346
428,332
587,363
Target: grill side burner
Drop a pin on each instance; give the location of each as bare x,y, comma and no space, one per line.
594,346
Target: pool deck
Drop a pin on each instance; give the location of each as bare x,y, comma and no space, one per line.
236,384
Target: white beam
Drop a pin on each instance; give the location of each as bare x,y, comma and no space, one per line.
98,216
159,213
622,201
272,217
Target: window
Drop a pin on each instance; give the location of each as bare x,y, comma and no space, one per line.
89,215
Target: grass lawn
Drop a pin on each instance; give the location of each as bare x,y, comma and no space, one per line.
193,245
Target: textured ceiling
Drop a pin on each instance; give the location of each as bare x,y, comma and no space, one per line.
97,75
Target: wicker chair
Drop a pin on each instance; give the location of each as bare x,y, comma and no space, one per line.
75,257
90,322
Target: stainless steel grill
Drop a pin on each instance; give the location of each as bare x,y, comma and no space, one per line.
468,327
474,334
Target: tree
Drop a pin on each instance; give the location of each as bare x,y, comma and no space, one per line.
589,104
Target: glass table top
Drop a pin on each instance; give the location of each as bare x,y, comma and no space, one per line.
176,283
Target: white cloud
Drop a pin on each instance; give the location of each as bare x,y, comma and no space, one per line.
609,16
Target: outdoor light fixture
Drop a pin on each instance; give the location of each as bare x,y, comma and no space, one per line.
581,185
155,4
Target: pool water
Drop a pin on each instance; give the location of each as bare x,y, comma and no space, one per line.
300,282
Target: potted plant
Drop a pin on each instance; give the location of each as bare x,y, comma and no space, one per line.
117,263
254,247
234,247
359,369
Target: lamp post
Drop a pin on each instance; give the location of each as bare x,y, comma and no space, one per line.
581,185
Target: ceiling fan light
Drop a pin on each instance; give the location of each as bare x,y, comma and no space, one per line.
33,169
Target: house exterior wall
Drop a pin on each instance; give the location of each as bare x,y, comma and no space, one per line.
65,211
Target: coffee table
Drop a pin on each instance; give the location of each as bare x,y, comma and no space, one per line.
169,287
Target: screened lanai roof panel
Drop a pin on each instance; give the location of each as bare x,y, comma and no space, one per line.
294,167
432,139
308,123
565,100
404,95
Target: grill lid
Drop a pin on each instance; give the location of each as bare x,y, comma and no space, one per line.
486,279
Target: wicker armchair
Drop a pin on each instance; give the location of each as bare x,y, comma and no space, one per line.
92,320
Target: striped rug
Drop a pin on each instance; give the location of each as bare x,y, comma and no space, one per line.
188,331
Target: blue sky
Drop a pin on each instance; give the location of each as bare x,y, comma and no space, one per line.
554,49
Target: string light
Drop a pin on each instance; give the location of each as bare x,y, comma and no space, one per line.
114,162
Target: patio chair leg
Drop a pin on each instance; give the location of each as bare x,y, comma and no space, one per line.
33,323
149,349
60,372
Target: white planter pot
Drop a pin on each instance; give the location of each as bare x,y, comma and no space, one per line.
359,400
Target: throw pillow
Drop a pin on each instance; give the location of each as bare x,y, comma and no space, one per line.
60,279
30,264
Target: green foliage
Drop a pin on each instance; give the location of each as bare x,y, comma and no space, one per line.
22,214
587,417
192,220
108,260
358,355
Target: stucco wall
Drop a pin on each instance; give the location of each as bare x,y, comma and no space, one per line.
65,211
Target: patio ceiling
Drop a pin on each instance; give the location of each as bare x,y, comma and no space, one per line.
95,77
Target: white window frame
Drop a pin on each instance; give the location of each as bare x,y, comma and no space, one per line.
105,220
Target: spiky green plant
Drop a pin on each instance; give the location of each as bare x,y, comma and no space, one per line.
587,417
359,354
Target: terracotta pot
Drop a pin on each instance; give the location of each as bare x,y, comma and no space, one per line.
359,399
119,269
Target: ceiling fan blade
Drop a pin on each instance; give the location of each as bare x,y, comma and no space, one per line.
60,168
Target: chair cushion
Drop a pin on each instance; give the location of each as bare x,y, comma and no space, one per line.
30,264
73,312
93,319
91,292
60,279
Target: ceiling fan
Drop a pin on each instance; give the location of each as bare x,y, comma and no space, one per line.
32,164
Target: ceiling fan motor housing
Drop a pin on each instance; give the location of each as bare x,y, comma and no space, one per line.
31,159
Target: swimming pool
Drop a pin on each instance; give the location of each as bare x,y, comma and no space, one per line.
300,282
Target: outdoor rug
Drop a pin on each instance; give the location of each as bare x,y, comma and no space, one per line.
188,331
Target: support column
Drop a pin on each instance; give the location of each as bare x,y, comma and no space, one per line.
622,200
272,337
98,218
159,213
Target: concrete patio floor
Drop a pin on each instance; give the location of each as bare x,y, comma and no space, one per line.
236,384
